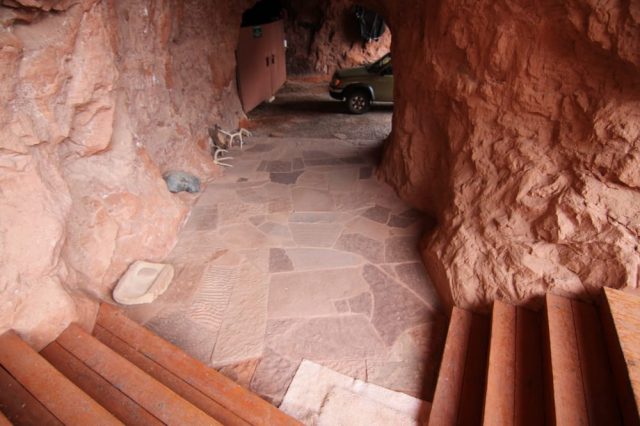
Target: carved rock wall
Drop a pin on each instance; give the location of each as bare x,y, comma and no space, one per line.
100,98
323,35
517,124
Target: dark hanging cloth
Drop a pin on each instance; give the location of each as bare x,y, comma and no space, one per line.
371,24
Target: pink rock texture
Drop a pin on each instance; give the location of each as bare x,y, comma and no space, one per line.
517,124
323,35
100,98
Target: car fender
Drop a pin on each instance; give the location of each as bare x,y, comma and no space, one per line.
360,86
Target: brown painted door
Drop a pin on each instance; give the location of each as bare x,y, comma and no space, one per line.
261,63
278,61
254,67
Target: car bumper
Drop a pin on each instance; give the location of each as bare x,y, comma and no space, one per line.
336,94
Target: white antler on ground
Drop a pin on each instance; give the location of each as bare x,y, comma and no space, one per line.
219,146
236,135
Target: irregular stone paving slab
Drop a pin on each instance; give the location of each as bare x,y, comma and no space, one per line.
342,337
378,214
401,249
368,248
279,261
396,221
237,212
312,179
261,147
241,373
310,200
354,368
279,166
365,173
298,164
343,179
203,218
196,340
276,230
242,236
273,375
415,277
395,309
285,178
305,259
414,360
341,306
314,217
315,235
361,304
368,228
242,333
305,294
210,302
314,384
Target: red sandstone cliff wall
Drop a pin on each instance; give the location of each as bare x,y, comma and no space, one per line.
99,98
323,35
518,125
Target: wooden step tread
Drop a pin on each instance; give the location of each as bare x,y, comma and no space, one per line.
169,379
98,388
4,421
514,392
157,399
621,323
209,382
68,403
20,406
459,393
581,385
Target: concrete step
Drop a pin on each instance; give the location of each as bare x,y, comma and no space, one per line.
63,400
459,393
204,387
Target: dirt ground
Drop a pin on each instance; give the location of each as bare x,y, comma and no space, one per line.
303,108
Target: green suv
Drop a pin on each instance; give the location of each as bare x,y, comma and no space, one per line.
363,85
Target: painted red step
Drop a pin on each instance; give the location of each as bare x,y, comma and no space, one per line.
68,403
459,393
97,387
620,314
580,385
157,399
228,394
514,392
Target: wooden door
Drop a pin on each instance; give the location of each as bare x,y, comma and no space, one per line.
254,67
261,63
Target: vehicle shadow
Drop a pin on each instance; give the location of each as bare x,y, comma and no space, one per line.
313,107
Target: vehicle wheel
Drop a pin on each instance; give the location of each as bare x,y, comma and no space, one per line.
358,101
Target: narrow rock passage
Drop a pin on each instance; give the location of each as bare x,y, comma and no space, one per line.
298,252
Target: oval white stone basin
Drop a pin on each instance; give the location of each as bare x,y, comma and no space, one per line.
143,283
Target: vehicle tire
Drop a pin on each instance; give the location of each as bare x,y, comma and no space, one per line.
358,101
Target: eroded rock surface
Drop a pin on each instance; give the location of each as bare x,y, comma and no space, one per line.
99,100
323,35
518,125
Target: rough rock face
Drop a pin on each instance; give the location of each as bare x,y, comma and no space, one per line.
323,35
99,99
518,125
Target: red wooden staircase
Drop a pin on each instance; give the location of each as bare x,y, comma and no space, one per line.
571,364
123,373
